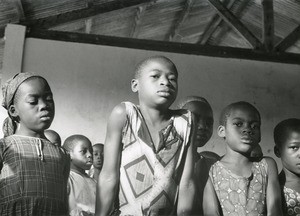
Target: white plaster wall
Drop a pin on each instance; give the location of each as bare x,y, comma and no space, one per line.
89,80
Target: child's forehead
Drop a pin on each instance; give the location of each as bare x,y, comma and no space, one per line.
98,147
159,64
82,143
241,111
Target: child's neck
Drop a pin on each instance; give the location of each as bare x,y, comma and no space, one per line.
26,132
238,163
96,173
291,180
154,116
77,169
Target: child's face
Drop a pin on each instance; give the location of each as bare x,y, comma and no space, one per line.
82,155
98,156
290,152
242,130
204,120
157,84
35,106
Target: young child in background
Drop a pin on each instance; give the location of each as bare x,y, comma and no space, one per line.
97,161
148,148
244,187
204,121
53,137
81,187
34,172
287,148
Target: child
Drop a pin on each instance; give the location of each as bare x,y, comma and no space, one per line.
97,161
53,137
244,187
287,147
204,124
203,116
34,172
148,149
81,187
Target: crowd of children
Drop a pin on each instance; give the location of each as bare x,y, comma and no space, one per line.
148,164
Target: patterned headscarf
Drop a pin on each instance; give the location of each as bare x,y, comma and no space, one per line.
9,90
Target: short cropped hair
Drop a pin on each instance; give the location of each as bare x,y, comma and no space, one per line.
140,66
283,128
227,111
99,144
189,99
72,141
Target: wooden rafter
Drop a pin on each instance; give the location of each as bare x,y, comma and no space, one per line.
183,15
235,23
19,7
268,24
288,40
88,25
88,11
164,46
137,20
213,24
225,28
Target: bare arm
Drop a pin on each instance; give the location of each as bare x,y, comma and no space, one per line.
187,185
210,204
109,176
273,190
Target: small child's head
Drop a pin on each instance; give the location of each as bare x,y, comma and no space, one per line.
204,117
240,126
287,144
81,152
98,155
29,102
53,137
155,81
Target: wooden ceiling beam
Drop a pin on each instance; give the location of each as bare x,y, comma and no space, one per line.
181,19
19,7
268,25
235,23
226,28
213,24
165,46
289,40
137,20
88,11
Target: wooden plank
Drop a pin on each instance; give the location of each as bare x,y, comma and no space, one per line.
137,20
288,40
182,17
90,10
19,7
213,24
164,46
13,49
268,24
226,28
235,23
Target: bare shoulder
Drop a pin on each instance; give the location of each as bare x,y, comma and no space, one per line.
272,165
270,161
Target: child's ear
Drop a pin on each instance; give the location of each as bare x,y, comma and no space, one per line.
221,131
134,85
277,152
13,111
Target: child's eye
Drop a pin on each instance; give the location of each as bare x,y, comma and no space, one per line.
32,102
49,98
295,148
155,76
238,124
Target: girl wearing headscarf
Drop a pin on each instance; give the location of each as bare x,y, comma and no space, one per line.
34,172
